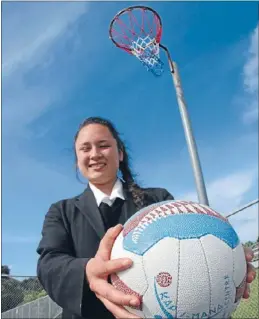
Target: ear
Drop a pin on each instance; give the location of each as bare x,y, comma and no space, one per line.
120,155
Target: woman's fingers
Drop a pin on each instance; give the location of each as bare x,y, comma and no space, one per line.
249,254
101,269
117,311
246,293
116,265
251,273
107,291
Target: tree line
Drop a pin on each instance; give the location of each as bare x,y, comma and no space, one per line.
17,292
251,243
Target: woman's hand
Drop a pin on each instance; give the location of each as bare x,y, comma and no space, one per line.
100,267
250,271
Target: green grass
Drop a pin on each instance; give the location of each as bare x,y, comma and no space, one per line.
249,309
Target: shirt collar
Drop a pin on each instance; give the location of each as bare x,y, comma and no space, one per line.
100,197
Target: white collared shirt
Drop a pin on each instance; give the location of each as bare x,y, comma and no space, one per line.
100,197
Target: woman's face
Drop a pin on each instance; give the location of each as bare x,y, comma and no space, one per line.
97,154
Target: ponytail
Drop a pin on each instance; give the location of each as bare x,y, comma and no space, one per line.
137,192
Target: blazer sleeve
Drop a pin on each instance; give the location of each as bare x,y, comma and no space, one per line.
166,195
61,274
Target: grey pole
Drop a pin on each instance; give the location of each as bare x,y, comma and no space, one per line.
243,208
192,147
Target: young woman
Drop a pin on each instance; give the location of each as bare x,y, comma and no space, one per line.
78,233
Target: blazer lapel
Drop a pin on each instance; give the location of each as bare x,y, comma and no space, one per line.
87,205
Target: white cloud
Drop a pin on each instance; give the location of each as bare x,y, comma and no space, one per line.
29,29
16,239
250,73
246,223
29,35
37,186
251,66
229,193
26,104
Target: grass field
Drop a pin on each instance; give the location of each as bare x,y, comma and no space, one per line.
249,309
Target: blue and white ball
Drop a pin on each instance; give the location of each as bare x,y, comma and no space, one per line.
188,262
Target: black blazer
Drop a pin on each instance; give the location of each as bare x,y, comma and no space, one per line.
71,234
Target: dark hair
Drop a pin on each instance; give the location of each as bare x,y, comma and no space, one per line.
137,192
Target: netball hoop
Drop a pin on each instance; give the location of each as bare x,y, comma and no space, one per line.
138,31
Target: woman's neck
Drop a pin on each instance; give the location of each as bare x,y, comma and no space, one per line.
107,187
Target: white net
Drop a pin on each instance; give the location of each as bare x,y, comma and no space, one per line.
147,50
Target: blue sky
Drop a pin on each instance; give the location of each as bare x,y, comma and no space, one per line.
59,67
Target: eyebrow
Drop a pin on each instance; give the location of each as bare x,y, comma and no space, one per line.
87,143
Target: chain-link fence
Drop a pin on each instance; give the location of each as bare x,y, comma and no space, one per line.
24,297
